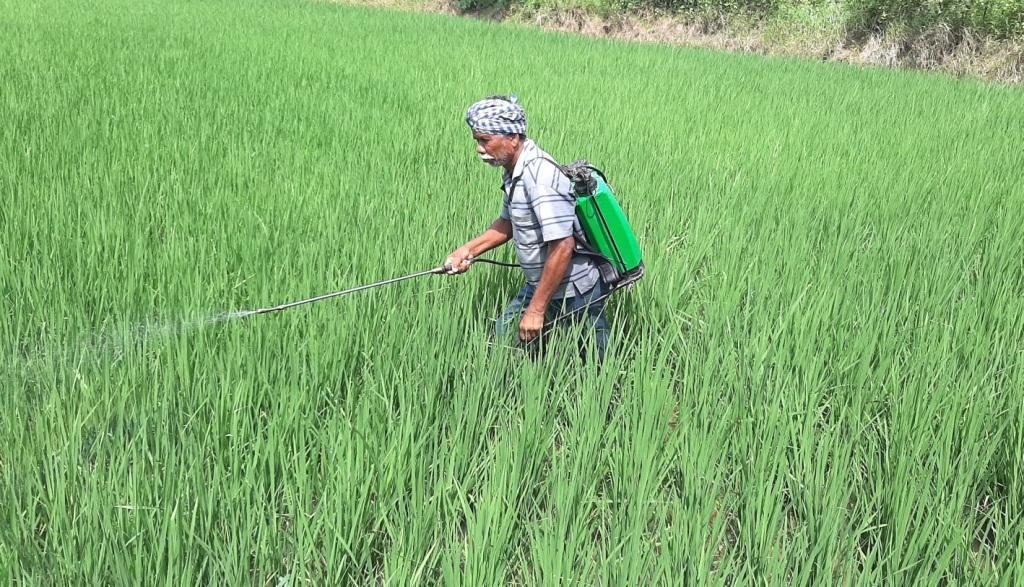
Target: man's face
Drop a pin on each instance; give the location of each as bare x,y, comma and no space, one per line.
496,150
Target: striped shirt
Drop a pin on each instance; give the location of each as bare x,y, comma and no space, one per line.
542,208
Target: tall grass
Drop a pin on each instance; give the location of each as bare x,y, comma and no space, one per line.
819,382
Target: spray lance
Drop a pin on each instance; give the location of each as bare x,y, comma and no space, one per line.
441,270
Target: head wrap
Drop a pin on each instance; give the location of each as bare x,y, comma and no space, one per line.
497,115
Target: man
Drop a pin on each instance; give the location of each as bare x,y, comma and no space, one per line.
538,214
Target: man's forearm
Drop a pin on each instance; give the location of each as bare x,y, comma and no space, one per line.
496,235
559,258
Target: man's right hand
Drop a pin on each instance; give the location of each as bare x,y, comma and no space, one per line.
459,261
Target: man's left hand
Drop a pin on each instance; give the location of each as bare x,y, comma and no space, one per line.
531,325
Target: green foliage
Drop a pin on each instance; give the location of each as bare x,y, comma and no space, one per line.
1001,19
998,18
480,5
758,7
819,382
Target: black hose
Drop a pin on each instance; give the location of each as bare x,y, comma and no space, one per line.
498,263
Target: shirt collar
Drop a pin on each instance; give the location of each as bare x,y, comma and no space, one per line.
528,154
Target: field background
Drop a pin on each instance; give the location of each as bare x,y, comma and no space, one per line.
819,381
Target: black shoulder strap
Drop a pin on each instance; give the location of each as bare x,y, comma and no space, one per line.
578,174
519,178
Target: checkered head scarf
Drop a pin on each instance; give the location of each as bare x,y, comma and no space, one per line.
497,115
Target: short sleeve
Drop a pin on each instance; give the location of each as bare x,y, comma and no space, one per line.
550,194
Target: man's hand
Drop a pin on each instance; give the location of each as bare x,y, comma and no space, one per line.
459,261
531,325
461,258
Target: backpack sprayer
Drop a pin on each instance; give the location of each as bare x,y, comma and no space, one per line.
608,238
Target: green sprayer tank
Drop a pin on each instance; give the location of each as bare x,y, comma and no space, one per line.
606,228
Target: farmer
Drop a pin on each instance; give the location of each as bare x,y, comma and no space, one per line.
538,213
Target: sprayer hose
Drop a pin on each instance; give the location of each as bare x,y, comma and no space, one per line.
498,263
